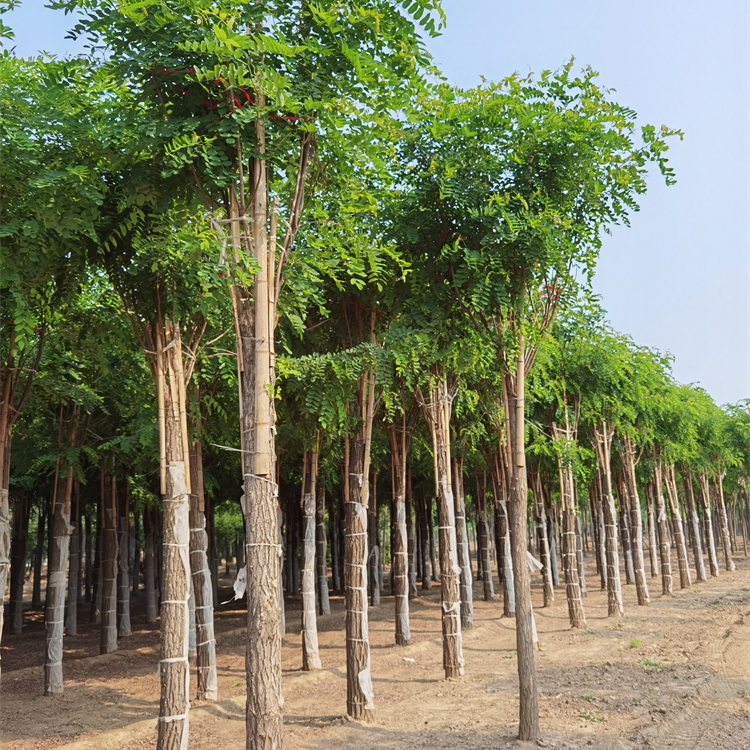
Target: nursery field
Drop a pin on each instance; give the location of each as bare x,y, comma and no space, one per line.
674,675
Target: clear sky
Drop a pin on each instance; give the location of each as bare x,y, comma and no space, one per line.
679,278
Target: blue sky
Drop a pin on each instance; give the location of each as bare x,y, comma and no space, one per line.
679,278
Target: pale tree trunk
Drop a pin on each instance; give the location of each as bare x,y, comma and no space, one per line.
324,605
661,525
174,667
601,541
602,445
462,539
627,549
723,523
502,530
123,567
541,532
679,537
21,513
71,606
651,534
627,456
57,563
513,393
713,561
309,632
207,687
483,539
437,413
424,541
359,693
400,551
565,437
108,633
579,554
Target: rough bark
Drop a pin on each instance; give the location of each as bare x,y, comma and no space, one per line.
602,445
723,523
514,390
359,692
174,667
633,503
679,537
437,414
57,563
663,532
309,631
207,683
424,541
398,440
652,534
108,633
705,496
624,518
462,539
483,540
565,437
123,566
548,591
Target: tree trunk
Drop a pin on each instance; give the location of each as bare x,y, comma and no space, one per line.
483,553
136,538
400,547
411,540
602,445
324,605
541,533
334,521
431,538
437,414
565,437
679,537
74,563
41,524
149,566
174,667
627,547
513,392
723,524
359,692
664,543
373,579
462,539
424,541
652,534
627,456
108,634
309,632
56,569
207,688
123,567
19,538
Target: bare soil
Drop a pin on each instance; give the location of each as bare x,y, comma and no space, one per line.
674,675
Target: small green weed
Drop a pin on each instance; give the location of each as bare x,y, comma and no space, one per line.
234,683
589,698
511,655
589,716
588,631
634,643
654,665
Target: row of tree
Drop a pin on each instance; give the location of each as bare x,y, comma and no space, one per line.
260,208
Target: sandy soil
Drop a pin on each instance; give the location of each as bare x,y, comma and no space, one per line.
675,675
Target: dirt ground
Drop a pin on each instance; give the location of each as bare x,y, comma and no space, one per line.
675,675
